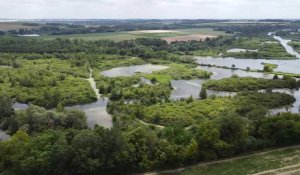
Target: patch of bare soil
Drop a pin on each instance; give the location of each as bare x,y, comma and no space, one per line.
188,38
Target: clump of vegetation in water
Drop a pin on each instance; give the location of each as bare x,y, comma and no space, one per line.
250,84
178,72
269,67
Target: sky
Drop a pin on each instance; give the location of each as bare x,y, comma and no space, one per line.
150,9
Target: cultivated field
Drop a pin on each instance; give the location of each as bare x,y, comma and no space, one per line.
6,26
119,36
115,36
187,38
157,31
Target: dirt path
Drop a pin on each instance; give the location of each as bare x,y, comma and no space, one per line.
234,158
150,124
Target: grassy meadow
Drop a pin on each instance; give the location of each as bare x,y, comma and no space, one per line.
277,161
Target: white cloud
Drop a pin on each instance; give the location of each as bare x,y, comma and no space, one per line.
149,9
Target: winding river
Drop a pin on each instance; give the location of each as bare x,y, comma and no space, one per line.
289,66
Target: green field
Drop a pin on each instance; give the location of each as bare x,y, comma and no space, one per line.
116,36
272,162
119,36
202,31
6,26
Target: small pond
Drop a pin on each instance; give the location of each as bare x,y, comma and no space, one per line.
96,113
132,70
237,50
3,136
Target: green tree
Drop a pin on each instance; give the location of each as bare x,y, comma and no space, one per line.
12,151
232,129
206,136
74,119
203,93
6,107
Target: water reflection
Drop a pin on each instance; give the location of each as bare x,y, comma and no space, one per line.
187,88
289,66
132,70
3,136
237,50
96,113
294,108
20,106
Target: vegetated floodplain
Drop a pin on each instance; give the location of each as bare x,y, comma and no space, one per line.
47,82
267,48
150,130
186,113
250,84
119,87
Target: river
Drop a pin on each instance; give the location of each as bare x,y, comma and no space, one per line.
289,66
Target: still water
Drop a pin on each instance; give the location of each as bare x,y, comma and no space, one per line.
289,66
96,112
132,70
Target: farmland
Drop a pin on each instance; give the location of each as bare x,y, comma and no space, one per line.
120,36
6,26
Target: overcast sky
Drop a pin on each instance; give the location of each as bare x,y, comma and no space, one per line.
162,9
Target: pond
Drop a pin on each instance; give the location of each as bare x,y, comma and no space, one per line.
3,135
96,112
294,108
132,70
237,50
29,35
20,106
186,88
